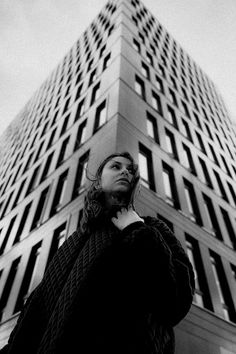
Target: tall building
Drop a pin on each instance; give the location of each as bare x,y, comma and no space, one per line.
126,84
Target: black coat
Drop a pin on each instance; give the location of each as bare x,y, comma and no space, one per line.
109,292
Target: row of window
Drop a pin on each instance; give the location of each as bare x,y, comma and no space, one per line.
188,94
153,31
172,117
172,96
51,90
207,216
187,159
65,151
204,213
202,295
53,114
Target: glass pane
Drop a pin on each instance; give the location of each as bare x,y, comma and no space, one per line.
167,185
102,116
143,166
150,128
189,201
169,144
138,88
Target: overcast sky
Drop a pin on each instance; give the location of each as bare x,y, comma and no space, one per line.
36,34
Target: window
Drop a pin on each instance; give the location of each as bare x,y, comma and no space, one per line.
201,295
220,186
107,61
59,193
223,288
172,97
192,202
7,203
195,104
27,165
26,286
136,45
149,58
78,92
209,132
233,269
188,160
161,70
152,128
65,124
146,167
205,174
185,109
141,38
232,192
173,82
186,130
19,193
102,50
95,93
80,177
139,87
100,116
66,105
170,185
33,180
211,216
40,208
225,166
145,71
63,155
39,152
213,154
159,84
93,76
90,63
80,109
6,237
22,223
200,143
47,167
170,144
171,117
16,175
197,120
51,140
81,133
8,286
59,237
184,93
156,102
229,227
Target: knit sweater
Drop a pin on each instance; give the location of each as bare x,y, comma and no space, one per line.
110,291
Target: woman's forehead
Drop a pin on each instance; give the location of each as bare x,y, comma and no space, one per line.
120,159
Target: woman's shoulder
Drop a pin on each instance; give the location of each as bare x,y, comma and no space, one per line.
156,222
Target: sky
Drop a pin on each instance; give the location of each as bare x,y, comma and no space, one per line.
36,34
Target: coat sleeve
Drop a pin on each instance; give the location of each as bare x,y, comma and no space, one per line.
158,269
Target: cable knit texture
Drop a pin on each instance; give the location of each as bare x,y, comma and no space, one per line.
111,292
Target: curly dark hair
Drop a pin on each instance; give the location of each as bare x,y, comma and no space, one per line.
94,202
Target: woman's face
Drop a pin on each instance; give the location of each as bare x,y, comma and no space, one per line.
117,175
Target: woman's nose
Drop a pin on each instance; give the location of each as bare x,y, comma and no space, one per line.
125,171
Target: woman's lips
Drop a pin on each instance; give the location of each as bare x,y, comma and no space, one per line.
123,180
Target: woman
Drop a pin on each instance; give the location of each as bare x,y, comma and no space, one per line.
117,285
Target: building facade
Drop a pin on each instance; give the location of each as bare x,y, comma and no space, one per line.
126,84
